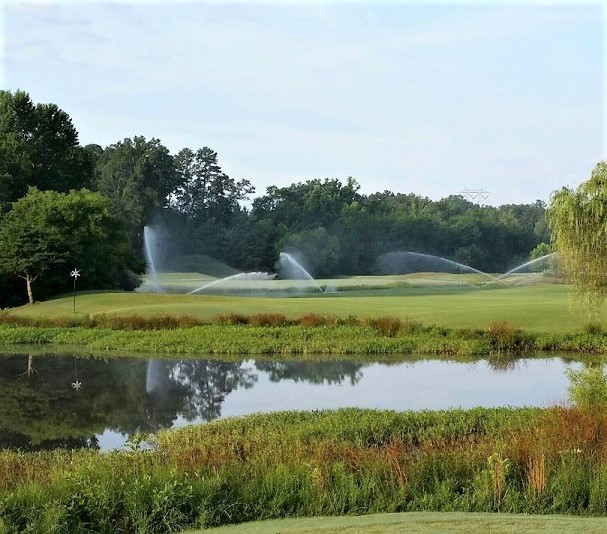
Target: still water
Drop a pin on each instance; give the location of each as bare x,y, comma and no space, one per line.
59,401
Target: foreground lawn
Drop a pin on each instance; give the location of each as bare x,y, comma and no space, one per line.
420,523
536,308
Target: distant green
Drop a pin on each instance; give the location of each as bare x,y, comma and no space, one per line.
541,308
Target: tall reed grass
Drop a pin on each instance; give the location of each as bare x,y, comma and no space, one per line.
316,463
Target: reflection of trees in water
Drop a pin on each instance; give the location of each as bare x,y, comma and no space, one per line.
24,442
503,362
332,372
195,388
40,408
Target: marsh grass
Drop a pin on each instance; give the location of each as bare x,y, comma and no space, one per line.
386,326
101,320
593,328
229,319
268,319
279,335
316,463
588,388
316,319
536,474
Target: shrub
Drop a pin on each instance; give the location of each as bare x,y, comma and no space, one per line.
593,328
318,319
230,319
388,326
505,337
588,388
268,319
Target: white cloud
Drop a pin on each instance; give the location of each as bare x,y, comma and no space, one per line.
402,96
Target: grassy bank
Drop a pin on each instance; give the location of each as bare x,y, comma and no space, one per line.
317,463
275,335
533,308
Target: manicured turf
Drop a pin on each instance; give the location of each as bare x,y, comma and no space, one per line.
539,307
422,523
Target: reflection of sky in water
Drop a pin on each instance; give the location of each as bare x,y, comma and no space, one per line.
123,395
427,384
111,440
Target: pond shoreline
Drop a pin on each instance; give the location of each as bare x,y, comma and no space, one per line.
54,401
382,337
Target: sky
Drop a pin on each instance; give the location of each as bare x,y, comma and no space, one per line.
413,97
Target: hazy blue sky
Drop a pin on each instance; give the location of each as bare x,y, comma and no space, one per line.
412,97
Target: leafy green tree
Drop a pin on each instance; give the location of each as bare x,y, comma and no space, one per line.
49,233
137,176
28,246
39,148
205,191
578,221
304,206
359,232
541,250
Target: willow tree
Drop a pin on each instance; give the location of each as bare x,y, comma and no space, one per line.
578,222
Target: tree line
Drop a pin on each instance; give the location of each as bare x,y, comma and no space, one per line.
63,205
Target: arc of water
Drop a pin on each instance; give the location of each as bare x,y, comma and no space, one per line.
460,266
456,264
521,267
307,276
148,238
239,276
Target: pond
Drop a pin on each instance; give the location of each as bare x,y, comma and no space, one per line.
49,401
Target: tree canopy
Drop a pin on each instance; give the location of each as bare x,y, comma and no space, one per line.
578,221
48,233
39,148
205,192
137,176
327,223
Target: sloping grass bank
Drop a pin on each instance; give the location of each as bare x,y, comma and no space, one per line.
273,334
294,464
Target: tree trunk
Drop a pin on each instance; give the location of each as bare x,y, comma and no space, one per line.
29,279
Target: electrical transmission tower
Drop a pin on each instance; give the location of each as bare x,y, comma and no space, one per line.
474,194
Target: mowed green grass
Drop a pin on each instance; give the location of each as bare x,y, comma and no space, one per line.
421,523
544,308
